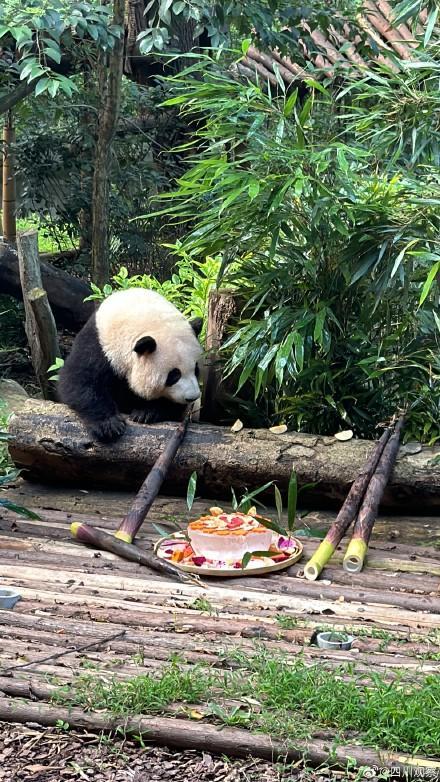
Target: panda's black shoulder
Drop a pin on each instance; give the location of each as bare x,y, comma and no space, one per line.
85,361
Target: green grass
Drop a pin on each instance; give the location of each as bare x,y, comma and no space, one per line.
46,238
294,699
287,622
204,606
144,694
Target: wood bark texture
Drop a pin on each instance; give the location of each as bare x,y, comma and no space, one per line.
221,307
107,121
66,294
40,324
219,740
49,441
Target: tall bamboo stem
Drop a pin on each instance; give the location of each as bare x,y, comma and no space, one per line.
9,205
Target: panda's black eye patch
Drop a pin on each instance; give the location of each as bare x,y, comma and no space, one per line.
173,377
197,370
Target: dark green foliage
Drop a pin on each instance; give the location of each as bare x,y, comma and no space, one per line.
327,215
55,152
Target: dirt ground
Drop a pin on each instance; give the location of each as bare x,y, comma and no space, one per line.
29,753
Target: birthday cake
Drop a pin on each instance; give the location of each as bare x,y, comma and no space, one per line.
228,536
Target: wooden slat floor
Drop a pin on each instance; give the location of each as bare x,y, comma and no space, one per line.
73,596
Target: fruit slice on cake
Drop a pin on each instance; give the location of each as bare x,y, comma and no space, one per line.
227,537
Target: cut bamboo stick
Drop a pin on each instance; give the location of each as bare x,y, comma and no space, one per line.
347,513
149,490
121,543
102,540
357,548
9,205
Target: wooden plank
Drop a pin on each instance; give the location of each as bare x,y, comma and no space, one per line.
23,643
113,505
289,585
369,636
41,551
115,591
377,558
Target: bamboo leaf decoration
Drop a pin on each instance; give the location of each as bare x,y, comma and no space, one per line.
279,504
249,554
191,491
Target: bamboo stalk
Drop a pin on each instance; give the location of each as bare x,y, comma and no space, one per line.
347,513
357,548
9,197
132,521
102,540
121,543
237,742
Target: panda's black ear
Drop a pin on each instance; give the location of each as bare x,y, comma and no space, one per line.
145,345
196,325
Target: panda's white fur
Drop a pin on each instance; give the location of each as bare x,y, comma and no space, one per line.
127,316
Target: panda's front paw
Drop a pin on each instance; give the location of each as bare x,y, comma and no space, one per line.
109,430
145,416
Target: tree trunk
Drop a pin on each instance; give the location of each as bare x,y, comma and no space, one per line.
9,205
52,445
66,294
221,306
107,120
40,324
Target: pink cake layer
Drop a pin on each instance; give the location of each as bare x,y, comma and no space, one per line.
212,538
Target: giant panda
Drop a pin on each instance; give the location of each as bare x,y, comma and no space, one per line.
136,354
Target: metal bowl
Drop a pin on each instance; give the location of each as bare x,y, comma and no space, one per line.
8,597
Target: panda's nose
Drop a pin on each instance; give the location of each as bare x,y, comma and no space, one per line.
190,399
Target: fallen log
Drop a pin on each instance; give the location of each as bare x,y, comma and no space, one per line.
66,293
217,739
53,446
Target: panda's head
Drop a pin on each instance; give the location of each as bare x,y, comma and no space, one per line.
151,344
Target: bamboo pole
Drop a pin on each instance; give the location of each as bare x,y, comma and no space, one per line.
121,543
357,548
91,536
347,513
8,194
132,521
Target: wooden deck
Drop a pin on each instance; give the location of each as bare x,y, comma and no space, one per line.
74,597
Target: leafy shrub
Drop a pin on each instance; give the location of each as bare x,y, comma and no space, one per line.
332,223
188,288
